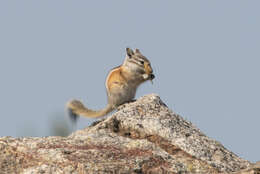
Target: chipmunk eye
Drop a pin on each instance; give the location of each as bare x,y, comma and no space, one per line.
142,62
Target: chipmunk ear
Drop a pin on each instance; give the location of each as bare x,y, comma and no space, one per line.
129,52
137,51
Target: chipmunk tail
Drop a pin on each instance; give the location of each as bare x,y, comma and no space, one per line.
76,109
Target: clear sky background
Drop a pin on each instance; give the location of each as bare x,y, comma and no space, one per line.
205,56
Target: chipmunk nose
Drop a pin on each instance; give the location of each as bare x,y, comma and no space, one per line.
152,76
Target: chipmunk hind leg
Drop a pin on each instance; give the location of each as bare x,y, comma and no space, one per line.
117,97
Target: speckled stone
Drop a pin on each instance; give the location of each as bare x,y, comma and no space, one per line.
144,136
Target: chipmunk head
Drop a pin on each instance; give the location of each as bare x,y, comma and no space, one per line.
139,63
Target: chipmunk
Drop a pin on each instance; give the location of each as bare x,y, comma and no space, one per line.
121,85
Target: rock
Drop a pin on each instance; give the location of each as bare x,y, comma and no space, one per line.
141,137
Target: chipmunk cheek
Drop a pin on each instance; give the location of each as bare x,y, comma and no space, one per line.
148,68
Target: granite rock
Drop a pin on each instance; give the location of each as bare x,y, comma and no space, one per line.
144,136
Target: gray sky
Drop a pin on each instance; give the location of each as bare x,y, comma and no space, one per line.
205,55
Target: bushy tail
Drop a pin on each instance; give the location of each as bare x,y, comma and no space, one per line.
76,108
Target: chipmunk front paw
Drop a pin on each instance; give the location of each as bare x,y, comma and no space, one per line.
148,76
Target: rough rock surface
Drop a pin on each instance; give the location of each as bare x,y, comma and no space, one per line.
141,137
